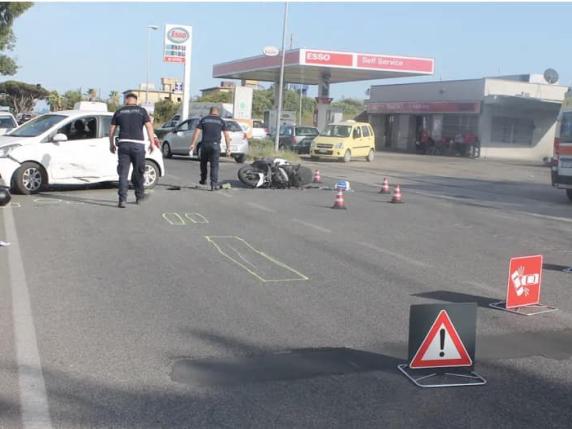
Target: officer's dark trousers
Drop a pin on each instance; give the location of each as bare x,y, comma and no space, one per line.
131,153
210,152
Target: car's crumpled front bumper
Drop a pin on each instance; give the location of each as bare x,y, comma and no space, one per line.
7,168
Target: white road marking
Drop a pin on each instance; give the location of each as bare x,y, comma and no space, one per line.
395,255
261,207
311,225
555,218
33,396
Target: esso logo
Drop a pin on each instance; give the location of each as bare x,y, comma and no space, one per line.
178,35
315,56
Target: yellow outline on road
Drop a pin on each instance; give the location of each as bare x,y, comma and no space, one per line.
12,204
211,239
200,217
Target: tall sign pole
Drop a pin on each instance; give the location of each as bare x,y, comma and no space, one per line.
178,42
281,84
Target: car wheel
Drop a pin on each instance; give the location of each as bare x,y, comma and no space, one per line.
151,175
569,194
239,158
167,150
29,179
370,155
347,156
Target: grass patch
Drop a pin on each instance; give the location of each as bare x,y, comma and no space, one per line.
265,149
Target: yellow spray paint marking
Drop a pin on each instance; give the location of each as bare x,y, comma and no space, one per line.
196,218
47,202
187,219
260,265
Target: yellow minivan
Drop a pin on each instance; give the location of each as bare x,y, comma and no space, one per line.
344,141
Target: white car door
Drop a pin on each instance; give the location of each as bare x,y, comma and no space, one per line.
182,138
75,160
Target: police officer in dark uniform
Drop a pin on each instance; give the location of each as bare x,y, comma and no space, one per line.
131,146
211,126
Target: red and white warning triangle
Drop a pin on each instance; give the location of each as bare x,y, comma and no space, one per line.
442,346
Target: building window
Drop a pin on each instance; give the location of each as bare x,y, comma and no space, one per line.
512,130
453,125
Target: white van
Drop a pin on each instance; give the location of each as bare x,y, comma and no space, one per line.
562,161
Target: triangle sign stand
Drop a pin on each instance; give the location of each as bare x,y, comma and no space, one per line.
442,346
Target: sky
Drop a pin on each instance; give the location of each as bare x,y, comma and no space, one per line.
102,45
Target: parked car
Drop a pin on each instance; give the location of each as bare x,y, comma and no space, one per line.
65,148
167,127
304,146
259,131
7,122
291,136
178,141
344,141
562,159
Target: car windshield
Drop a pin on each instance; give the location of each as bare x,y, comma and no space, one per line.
7,122
306,131
338,131
566,128
37,126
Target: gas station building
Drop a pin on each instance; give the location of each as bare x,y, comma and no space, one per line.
322,68
513,117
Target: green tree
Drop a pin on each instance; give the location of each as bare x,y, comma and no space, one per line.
70,98
9,11
165,110
55,101
262,100
216,97
351,107
21,96
113,101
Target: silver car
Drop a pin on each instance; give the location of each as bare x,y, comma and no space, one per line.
177,142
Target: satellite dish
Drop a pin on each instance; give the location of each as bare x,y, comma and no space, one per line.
271,51
550,75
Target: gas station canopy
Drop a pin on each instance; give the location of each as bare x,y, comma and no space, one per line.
311,67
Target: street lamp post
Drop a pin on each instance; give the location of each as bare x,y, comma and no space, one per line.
149,27
281,88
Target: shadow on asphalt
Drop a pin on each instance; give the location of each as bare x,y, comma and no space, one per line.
457,297
554,267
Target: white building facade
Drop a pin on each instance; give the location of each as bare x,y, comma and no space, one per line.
513,117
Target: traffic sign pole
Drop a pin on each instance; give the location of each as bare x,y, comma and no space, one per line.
187,83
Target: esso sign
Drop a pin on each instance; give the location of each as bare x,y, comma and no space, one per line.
271,51
178,35
316,56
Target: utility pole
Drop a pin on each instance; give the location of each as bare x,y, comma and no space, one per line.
281,84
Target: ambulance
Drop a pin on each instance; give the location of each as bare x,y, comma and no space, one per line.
562,161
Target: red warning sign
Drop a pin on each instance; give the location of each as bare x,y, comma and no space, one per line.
524,279
442,346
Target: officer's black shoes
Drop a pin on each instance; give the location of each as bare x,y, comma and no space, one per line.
121,204
215,187
203,182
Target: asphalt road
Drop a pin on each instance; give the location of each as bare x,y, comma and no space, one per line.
266,308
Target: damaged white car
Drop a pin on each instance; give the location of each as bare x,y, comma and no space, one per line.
65,148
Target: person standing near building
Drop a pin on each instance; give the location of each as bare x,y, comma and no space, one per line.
211,127
131,119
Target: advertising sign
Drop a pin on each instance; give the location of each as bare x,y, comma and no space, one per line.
442,335
243,102
386,62
524,280
177,43
329,58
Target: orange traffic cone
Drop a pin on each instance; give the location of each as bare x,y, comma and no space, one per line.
396,199
385,187
339,203
317,178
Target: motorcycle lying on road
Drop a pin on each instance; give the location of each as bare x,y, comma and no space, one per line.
274,173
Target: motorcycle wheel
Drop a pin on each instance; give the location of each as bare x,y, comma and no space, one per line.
249,176
306,176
